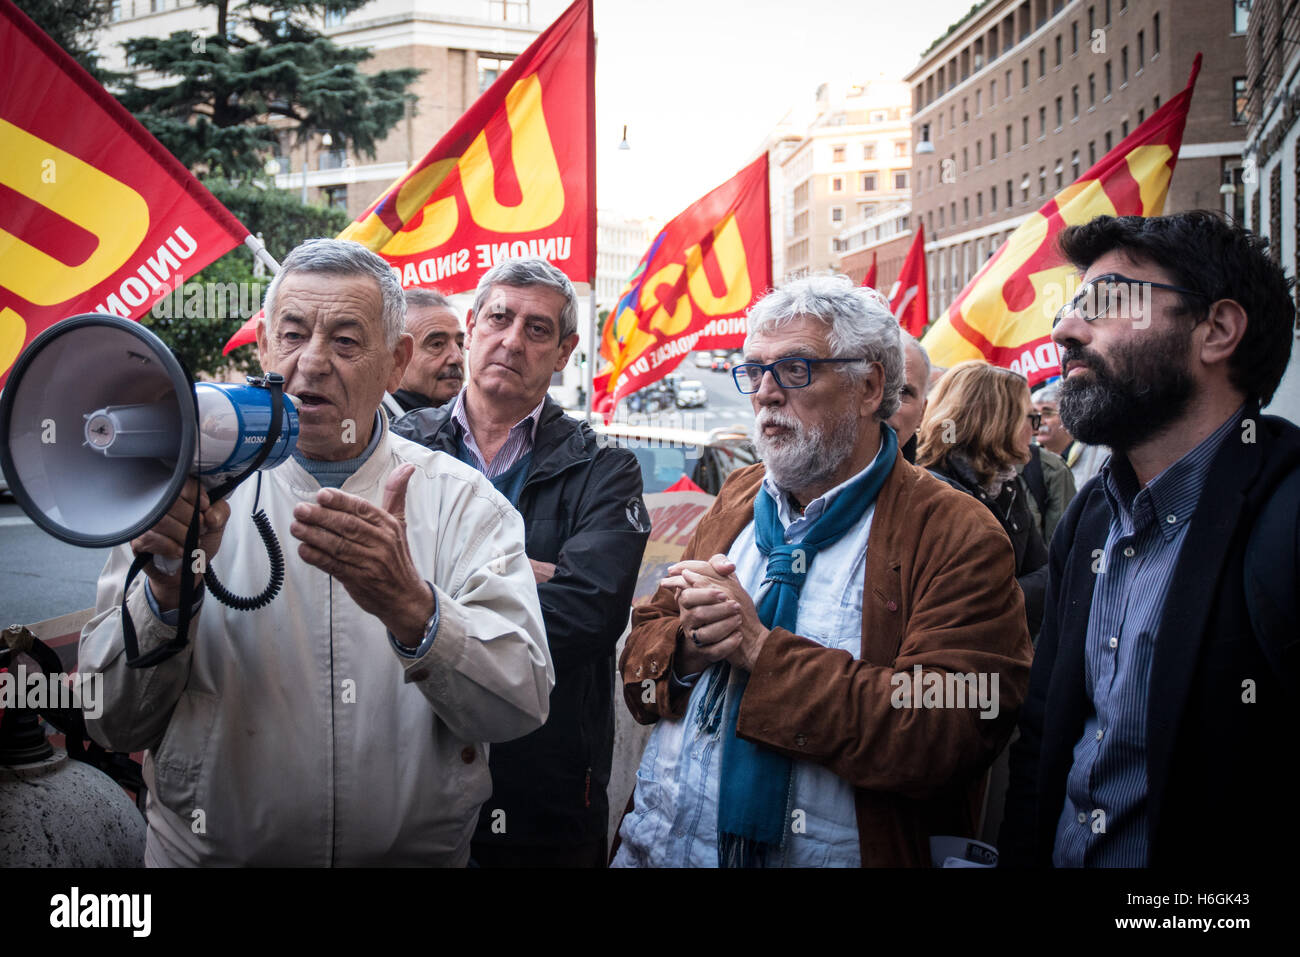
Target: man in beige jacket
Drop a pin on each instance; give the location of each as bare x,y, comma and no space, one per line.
345,723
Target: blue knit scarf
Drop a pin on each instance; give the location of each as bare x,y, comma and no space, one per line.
755,783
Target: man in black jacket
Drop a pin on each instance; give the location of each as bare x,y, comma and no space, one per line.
1162,704
585,530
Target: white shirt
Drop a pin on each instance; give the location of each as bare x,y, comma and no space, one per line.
675,818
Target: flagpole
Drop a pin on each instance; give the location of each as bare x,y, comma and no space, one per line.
260,253
589,374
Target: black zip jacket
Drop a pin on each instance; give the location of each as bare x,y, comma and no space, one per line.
1011,509
583,512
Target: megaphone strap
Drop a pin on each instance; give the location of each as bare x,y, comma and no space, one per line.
186,611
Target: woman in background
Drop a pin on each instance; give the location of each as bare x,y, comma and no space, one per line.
976,430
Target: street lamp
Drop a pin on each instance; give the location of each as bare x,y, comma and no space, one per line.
924,147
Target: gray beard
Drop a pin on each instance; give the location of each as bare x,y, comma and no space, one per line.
807,458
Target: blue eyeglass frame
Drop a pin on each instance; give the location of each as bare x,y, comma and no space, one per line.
767,367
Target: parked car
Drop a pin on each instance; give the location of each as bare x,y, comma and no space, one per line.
691,394
665,455
702,360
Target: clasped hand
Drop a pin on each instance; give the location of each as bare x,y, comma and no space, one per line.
717,616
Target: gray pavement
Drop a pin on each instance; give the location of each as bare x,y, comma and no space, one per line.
40,576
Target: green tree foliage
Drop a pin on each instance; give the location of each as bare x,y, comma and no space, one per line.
197,322
266,69
72,24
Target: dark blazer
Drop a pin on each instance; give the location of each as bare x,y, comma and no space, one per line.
583,512
1221,714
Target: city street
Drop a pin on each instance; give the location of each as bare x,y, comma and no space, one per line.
725,406
42,576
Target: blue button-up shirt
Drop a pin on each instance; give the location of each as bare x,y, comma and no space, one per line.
1104,821
518,443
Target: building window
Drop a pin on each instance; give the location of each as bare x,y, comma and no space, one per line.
1074,166
993,93
878,116
508,11
1058,49
336,197
1155,34
837,154
1042,122
1239,99
965,160
489,68
1074,101
837,184
940,218
979,153
869,149
979,205
1107,12
115,12
1042,62
1108,141
979,95
1042,181
868,182
993,199
1092,153
837,214
1060,113
965,113
1092,20
1240,16
1142,50
1123,66
965,209
1142,115
1024,74
900,148
1123,129
1074,38
1008,139
1060,175
1110,86
1007,86
1011,195
993,147
900,181
1092,90
334,17
1024,130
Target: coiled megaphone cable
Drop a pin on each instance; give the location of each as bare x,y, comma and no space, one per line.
267,534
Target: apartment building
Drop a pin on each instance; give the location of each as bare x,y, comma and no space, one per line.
885,238
461,45
1271,187
851,161
1023,96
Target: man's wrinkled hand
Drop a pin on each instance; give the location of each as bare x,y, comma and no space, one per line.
167,540
364,546
542,571
716,614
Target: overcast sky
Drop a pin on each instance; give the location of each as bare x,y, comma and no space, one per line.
700,83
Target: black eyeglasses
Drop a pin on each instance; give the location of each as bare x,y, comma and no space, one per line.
1098,297
793,372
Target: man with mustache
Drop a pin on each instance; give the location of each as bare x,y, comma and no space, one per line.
437,367
346,723
1163,693
586,529
778,658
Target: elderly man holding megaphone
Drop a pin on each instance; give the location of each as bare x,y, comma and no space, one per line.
346,721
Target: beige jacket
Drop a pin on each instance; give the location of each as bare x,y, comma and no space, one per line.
295,734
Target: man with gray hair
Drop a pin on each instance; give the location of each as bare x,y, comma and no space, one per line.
436,371
784,658
346,722
587,527
912,397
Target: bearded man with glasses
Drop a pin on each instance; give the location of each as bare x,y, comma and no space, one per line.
1163,694
784,658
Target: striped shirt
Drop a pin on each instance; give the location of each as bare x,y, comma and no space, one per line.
1104,821
518,443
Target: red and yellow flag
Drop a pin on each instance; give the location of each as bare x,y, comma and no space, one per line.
95,215
516,176
692,287
1004,314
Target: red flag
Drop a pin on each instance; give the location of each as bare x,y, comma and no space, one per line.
870,279
684,484
516,176
692,287
1004,315
95,215
908,299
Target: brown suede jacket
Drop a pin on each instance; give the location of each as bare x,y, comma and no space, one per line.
939,591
